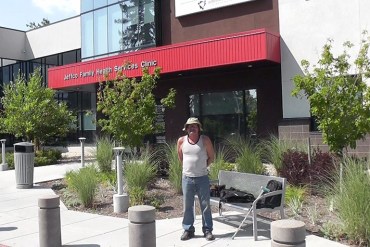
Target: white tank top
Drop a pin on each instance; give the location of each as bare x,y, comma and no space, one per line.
194,158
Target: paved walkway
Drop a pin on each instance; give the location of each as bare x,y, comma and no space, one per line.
19,221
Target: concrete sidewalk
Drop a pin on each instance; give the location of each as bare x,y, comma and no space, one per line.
19,221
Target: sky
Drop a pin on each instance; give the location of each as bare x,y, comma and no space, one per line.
16,14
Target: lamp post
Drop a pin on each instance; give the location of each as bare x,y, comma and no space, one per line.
82,140
3,166
121,199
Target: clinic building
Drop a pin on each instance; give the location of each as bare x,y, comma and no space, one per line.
230,61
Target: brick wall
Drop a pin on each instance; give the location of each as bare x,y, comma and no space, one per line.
299,129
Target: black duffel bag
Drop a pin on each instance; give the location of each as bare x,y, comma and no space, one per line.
234,195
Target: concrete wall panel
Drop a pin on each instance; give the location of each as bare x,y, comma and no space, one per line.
305,26
12,44
56,38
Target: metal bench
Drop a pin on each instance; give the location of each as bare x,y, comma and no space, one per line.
252,183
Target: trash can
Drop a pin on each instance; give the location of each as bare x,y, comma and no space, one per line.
24,157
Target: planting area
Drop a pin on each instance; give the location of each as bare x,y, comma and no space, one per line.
314,211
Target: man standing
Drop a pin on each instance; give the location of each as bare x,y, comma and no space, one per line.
196,153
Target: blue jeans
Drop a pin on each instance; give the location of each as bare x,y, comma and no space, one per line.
192,186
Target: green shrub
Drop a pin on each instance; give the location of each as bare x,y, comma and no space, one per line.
175,167
104,154
274,148
85,183
294,197
247,154
352,199
47,157
333,231
9,158
43,161
139,172
295,192
108,178
156,201
57,154
137,196
219,164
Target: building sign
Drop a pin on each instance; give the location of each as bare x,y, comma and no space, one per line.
107,71
187,7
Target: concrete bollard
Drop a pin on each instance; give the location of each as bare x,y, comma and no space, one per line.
288,233
141,228
49,221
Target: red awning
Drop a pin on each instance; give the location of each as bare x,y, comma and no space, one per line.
252,46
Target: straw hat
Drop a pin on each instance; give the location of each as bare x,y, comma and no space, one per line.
192,120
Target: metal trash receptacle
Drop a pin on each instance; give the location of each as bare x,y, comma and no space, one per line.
24,157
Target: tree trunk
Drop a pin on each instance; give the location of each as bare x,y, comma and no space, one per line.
37,144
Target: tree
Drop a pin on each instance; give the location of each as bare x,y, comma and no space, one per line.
338,94
129,107
30,111
33,25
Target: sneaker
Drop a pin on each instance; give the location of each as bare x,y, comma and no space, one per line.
187,235
209,236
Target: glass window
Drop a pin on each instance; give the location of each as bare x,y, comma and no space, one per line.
86,101
86,5
52,60
100,32
222,103
89,121
70,57
194,105
112,1
6,72
147,31
115,16
149,12
16,71
99,3
73,100
87,46
251,110
226,113
123,26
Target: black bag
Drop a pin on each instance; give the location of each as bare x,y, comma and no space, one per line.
234,195
215,190
271,201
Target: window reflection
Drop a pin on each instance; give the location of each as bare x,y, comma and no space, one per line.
87,48
100,31
226,113
125,26
114,28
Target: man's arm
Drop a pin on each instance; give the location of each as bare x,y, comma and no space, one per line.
179,148
210,151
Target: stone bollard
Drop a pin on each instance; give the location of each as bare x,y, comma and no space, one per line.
288,233
141,228
49,221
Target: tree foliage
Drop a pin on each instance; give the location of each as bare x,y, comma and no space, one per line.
130,107
339,97
31,111
33,25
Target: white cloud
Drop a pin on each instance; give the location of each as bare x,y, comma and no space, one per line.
53,6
